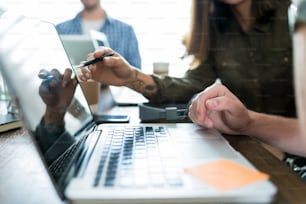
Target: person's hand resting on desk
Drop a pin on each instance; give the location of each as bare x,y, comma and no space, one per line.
217,107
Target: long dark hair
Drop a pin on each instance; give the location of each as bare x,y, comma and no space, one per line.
203,11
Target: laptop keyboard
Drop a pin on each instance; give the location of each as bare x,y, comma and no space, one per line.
138,157
58,167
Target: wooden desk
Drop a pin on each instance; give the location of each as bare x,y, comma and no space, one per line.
23,178
291,188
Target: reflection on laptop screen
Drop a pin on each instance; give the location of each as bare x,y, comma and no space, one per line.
27,46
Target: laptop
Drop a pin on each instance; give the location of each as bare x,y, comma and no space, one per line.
98,164
121,95
77,47
124,96
99,39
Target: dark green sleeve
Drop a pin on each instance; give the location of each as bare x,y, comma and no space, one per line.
180,90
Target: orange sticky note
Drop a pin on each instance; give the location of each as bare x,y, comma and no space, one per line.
226,175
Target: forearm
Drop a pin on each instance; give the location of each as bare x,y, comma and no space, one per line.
165,89
54,117
51,135
280,132
143,83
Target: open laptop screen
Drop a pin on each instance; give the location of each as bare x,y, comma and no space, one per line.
72,45
27,46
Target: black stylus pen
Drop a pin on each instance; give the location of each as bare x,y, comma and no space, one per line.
98,59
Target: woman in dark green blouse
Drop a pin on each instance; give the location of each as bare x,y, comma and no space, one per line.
224,111
245,43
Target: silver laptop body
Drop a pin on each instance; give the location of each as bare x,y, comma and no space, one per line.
146,165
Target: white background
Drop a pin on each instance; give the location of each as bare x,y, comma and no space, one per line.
159,24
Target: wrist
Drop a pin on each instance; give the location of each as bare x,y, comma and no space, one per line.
133,76
142,83
52,129
250,124
54,117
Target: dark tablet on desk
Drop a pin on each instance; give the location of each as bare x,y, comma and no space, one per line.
111,118
159,112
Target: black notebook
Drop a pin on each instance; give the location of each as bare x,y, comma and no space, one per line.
9,117
9,121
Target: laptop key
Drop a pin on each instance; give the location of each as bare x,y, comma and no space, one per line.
136,159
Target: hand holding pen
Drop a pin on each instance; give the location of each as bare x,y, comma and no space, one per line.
112,71
95,60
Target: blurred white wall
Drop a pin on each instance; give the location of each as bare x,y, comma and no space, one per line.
159,24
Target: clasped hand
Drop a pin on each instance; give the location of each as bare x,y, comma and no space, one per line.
217,107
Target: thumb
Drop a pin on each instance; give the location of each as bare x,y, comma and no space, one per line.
220,104
224,103
213,104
